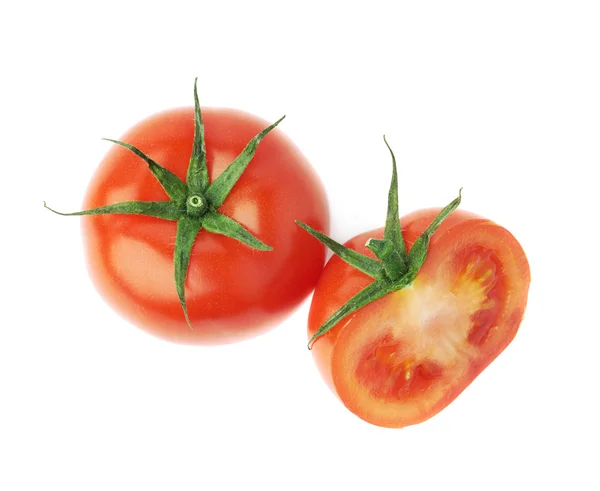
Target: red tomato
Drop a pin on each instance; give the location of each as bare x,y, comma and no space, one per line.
401,359
233,291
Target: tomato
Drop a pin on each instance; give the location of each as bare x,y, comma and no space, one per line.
402,358
232,291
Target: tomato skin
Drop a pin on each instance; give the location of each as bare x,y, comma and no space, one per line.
339,282
233,292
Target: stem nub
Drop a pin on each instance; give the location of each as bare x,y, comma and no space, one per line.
196,205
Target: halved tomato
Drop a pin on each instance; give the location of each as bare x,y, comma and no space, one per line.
402,358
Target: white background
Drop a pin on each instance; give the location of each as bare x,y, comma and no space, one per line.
501,98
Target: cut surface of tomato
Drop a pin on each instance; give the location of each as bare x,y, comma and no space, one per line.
404,357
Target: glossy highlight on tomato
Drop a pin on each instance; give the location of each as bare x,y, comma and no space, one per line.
232,291
402,358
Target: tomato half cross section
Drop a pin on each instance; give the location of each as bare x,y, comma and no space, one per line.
403,354
210,234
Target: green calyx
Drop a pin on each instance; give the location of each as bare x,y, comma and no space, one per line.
192,204
394,269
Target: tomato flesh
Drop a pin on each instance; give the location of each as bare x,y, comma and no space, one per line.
481,284
403,358
390,371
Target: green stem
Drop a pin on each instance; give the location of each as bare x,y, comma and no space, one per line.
361,262
197,175
393,263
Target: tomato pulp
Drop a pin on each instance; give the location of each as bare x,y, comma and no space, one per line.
233,292
401,359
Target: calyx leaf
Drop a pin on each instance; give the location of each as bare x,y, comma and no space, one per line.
192,204
395,268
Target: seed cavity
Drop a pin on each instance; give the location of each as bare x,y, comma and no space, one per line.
391,373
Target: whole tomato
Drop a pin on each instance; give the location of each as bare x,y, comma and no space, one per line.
189,231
